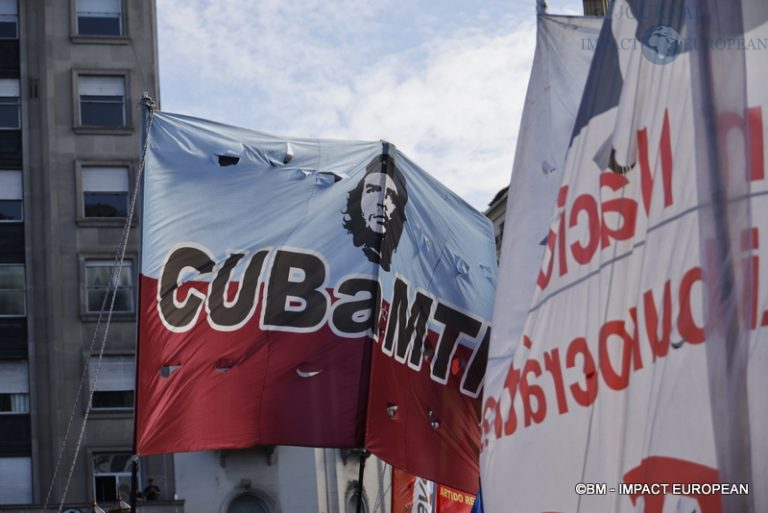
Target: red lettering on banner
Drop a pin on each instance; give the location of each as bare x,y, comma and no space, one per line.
549,261
630,352
599,230
752,123
685,323
510,384
583,228
615,357
624,208
529,391
583,253
604,221
584,396
646,174
545,275
492,407
662,469
552,365
659,343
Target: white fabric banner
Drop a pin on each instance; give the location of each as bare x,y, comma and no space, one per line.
560,68
604,403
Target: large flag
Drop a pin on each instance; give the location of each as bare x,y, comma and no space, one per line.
637,381
307,292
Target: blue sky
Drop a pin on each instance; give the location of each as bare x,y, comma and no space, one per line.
443,80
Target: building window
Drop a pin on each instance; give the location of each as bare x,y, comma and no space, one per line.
101,282
16,479
99,17
111,476
105,191
112,382
11,195
12,290
9,19
14,387
10,107
102,101
14,403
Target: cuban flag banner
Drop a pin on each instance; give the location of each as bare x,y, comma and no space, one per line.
637,380
309,292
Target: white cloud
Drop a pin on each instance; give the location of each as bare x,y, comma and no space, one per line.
448,92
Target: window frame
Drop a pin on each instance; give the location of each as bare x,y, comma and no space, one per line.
23,395
93,360
76,37
23,290
126,128
12,101
82,219
12,465
93,452
12,16
17,372
107,260
19,200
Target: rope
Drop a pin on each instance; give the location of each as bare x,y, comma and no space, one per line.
380,499
112,295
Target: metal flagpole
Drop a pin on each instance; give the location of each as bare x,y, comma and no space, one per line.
363,456
134,481
149,106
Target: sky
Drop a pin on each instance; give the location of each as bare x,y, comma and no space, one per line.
443,80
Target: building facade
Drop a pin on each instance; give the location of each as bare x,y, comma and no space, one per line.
72,73
281,480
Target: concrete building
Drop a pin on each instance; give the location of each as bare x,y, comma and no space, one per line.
72,74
